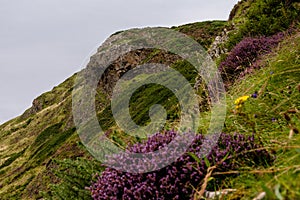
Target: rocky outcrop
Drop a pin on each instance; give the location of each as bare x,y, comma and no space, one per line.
217,48
131,60
35,108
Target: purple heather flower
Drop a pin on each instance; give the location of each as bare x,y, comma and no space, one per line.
244,57
174,181
254,95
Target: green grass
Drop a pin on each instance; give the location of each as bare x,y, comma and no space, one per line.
77,174
47,143
12,158
272,116
27,144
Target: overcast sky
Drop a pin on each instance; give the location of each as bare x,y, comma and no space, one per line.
43,42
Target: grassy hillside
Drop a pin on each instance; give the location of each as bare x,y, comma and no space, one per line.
41,155
275,117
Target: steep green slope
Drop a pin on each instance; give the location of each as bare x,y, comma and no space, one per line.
29,141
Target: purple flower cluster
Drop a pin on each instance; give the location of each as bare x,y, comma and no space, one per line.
177,180
244,55
254,95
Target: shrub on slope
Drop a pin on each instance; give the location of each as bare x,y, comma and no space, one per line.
245,55
177,181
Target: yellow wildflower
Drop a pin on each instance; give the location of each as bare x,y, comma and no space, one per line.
240,101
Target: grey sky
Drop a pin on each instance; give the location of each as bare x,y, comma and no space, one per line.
43,42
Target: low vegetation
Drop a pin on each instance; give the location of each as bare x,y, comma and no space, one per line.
258,153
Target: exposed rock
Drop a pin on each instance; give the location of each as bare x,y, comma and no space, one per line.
131,60
36,107
217,47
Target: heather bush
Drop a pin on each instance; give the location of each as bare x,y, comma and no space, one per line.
177,180
245,55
